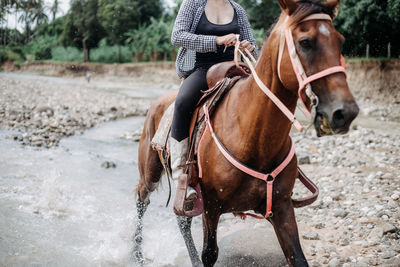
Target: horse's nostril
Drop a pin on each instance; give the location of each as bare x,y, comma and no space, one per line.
339,118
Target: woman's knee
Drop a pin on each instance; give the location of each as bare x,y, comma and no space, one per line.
183,105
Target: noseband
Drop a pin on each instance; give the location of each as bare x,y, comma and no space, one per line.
302,78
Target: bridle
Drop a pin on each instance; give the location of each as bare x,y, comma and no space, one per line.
304,81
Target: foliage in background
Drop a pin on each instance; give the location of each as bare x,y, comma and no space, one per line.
152,42
118,16
139,30
11,53
41,46
61,53
111,54
82,27
56,27
261,14
370,22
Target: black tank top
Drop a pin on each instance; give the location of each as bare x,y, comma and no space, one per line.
205,27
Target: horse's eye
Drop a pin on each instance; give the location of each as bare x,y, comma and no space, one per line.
305,44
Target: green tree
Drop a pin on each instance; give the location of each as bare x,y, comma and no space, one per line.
367,22
153,41
117,17
149,9
6,7
38,12
33,12
393,12
82,27
261,14
54,10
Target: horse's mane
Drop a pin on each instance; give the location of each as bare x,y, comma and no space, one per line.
304,9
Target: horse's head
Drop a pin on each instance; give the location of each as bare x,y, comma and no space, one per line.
316,46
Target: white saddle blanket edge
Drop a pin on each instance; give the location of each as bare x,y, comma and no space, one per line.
160,137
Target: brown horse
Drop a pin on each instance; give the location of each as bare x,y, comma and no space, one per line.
257,133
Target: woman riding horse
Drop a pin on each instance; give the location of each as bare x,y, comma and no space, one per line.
205,31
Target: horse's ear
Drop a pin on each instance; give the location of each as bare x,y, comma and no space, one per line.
288,6
333,5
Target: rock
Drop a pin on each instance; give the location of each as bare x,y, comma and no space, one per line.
395,196
315,263
304,160
388,228
393,262
387,176
320,225
344,242
311,236
47,110
375,235
108,164
385,217
335,262
388,254
340,213
361,261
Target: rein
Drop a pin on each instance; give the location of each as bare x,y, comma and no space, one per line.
304,83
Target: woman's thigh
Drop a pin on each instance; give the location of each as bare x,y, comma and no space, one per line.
190,91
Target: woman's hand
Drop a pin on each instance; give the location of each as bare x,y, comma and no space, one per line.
246,44
227,40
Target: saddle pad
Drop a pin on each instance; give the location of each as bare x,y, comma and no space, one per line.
160,138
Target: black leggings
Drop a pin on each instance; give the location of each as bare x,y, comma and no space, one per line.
185,104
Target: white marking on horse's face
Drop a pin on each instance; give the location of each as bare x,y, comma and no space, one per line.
324,30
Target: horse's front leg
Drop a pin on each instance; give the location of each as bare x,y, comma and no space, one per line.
210,247
185,224
285,226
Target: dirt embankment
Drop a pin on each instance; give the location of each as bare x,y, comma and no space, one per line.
147,72
375,80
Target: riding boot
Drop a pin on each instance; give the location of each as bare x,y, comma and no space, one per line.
178,151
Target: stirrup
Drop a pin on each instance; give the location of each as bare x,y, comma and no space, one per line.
182,205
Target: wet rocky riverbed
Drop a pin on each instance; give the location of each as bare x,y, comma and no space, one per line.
66,193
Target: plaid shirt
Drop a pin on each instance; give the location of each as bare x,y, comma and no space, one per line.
183,34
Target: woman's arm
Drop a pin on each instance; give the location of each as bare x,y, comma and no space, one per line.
181,35
246,34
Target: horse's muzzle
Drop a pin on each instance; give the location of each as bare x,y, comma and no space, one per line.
336,120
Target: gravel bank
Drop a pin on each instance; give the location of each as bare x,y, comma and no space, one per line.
355,221
44,112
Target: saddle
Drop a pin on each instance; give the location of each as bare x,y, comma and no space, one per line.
220,78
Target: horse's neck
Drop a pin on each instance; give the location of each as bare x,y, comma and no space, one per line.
268,128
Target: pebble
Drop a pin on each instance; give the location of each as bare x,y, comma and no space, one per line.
315,263
340,213
335,262
388,254
395,196
304,160
388,228
108,164
311,236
